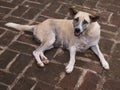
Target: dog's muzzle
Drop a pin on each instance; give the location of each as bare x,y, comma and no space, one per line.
77,32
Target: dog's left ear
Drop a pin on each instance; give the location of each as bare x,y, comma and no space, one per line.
72,12
94,18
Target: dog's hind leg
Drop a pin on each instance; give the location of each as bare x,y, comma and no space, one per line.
48,44
97,51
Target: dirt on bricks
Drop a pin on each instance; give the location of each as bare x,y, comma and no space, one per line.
18,69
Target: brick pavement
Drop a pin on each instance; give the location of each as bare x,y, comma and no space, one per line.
18,69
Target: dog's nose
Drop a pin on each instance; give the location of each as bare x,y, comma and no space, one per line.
77,30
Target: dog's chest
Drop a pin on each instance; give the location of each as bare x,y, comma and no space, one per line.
82,44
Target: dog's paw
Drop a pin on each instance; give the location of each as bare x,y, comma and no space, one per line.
45,61
41,64
106,65
69,68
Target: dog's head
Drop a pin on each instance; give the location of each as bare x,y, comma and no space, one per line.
81,21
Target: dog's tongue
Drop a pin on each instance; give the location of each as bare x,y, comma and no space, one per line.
77,34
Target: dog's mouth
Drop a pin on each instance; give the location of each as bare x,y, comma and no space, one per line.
77,34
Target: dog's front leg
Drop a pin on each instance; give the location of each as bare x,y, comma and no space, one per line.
97,51
70,66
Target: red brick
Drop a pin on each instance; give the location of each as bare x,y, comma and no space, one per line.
69,81
7,78
6,57
6,4
19,11
33,5
114,72
64,9
113,8
41,19
116,2
7,38
109,28
4,10
21,62
49,74
115,20
2,31
31,13
90,4
17,1
78,2
116,52
2,87
90,65
112,85
88,54
16,20
28,39
104,16
43,86
107,35
105,45
54,6
1,16
53,14
104,3
90,82
23,48
24,84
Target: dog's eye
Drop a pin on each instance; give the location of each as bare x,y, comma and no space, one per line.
76,19
85,22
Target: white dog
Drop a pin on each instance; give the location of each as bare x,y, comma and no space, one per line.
79,34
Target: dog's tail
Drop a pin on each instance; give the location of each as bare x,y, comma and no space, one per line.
20,27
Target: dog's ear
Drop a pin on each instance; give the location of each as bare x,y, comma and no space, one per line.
94,18
72,12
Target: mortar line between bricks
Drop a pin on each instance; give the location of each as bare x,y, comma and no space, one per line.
56,11
3,84
6,7
86,59
25,12
20,75
3,33
9,1
14,39
19,18
7,15
19,52
109,17
101,83
4,48
35,46
97,3
109,32
80,80
111,52
33,2
23,2
46,6
33,87
10,63
62,75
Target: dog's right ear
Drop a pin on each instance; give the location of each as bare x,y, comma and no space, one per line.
72,12
94,18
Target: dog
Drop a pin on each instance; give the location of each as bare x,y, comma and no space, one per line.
76,35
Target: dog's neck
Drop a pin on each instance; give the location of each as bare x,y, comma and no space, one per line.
91,31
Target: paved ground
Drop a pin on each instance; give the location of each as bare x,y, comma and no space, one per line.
18,69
